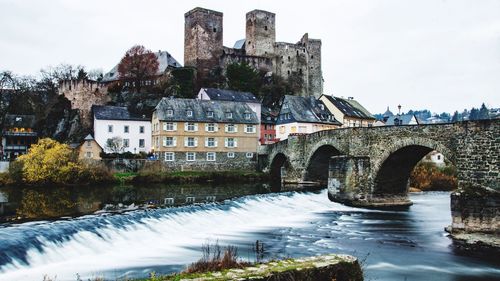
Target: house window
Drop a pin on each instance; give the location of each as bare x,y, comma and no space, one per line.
141,130
110,128
88,154
191,127
210,127
169,127
169,156
190,142
169,201
125,129
141,143
230,155
210,114
248,116
126,142
168,141
210,142
190,156
190,199
230,128
189,113
89,143
249,155
249,129
210,156
229,115
231,142
170,112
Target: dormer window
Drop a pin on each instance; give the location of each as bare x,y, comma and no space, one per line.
170,112
248,116
322,106
210,114
189,113
285,106
229,115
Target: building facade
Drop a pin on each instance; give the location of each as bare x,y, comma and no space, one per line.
268,127
89,149
303,115
204,50
117,130
193,134
18,135
348,111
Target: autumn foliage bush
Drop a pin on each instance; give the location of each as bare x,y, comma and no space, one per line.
51,162
427,176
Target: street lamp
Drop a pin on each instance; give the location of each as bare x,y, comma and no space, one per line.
400,122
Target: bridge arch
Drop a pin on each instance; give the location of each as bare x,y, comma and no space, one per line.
318,162
278,165
391,171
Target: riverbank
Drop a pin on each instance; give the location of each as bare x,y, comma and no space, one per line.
327,267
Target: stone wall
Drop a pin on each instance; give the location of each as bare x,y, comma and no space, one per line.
260,33
475,211
83,94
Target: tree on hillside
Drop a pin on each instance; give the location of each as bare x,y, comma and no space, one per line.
243,77
138,65
483,113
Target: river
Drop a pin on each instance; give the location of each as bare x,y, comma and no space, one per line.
393,245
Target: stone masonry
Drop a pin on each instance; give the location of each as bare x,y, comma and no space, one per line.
203,49
371,166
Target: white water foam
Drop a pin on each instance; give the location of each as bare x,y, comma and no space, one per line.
166,239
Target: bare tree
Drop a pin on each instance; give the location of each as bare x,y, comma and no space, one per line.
115,145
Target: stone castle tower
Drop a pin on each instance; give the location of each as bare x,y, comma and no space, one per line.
203,49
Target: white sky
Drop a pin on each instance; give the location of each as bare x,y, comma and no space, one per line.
440,55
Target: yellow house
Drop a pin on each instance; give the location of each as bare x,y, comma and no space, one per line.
89,149
193,132
348,111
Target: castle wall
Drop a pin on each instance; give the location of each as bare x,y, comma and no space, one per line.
259,63
83,94
260,33
290,59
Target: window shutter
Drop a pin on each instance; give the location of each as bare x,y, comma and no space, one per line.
216,127
225,128
196,127
185,126
225,142
164,141
195,142
175,141
206,142
185,142
175,126
206,127
235,142
235,128
164,126
215,142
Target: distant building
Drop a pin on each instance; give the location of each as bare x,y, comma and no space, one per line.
165,62
199,133
89,149
387,114
114,122
18,135
303,115
348,111
268,127
405,119
435,157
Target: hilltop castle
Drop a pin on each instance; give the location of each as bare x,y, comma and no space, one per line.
204,50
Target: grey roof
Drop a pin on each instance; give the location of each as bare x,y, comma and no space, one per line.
230,95
18,120
240,44
268,116
106,112
200,108
89,137
405,118
388,113
307,110
165,60
350,107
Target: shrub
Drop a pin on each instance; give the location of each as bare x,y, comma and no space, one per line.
213,259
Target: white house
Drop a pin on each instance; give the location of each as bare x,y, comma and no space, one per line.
303,115
435,157
133,133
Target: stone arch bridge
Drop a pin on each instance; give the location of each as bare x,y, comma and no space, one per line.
371,166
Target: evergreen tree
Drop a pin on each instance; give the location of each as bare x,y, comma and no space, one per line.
474,114
455,117
483,112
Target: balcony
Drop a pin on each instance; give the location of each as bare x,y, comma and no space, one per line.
15,148
20,134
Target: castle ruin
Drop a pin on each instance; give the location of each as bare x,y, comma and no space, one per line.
204,50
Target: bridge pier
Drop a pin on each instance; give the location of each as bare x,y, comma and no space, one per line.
349,183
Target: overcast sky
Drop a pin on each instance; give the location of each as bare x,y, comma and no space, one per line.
441,55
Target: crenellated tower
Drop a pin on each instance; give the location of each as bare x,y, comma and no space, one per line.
260,33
